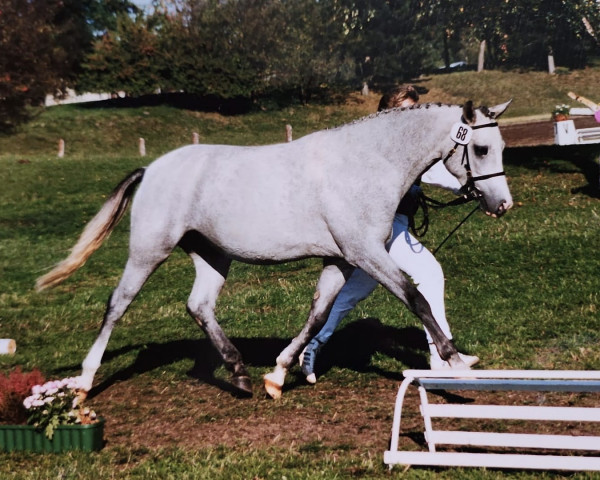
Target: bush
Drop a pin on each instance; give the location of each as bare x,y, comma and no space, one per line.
14,388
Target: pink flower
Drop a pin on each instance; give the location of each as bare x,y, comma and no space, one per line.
33,401
73,383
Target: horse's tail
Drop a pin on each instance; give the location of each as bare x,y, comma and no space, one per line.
95,232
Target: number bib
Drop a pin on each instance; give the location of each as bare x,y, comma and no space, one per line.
461,133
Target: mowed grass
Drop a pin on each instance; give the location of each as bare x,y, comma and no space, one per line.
522,291
533,93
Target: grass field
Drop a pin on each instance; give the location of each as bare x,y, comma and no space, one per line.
522,291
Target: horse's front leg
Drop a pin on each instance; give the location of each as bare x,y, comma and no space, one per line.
331,281
380,266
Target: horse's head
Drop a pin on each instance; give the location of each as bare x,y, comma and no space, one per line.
477,163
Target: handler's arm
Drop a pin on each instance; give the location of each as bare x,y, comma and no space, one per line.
439,176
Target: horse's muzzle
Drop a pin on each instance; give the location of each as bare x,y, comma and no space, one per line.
502,208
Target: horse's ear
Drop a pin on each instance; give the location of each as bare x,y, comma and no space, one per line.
495,112
469,113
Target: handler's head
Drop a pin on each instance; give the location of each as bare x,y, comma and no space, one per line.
402,96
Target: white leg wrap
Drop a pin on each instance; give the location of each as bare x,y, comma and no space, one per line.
277,376
274,381
90,366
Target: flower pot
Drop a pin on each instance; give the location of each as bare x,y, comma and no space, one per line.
87,438
560,117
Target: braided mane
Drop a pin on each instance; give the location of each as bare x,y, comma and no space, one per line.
418,106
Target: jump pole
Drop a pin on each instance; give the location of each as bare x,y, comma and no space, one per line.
593,106
7,346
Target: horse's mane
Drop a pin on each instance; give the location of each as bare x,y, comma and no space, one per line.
417,106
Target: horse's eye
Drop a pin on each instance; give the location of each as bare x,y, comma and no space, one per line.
480,150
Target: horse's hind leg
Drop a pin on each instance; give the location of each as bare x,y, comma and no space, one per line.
211,272
134,276
331,281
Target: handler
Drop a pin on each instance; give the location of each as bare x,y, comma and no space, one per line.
408,253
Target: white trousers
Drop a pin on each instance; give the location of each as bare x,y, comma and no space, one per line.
413,259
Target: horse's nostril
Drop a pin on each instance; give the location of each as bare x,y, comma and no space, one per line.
503,208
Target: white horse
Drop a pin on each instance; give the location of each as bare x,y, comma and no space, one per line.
330,194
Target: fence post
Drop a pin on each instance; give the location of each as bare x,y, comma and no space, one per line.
481,57
61,148
142,147
195,138
288,133
551,65
7,346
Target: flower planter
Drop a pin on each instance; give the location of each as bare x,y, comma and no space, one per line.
87,438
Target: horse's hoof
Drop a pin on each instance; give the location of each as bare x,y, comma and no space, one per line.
456,363
243,384
469,360
80,396
272,387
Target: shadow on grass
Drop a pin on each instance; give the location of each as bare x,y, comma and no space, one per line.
234,106
561,159
352,347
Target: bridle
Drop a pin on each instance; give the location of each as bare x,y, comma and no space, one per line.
461,134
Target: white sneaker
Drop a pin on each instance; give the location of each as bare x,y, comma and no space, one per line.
308,370
436,362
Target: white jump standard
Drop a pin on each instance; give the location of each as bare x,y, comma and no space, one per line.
499,380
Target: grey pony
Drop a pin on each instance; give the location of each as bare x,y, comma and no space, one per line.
330,194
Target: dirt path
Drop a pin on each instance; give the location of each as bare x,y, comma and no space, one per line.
153,414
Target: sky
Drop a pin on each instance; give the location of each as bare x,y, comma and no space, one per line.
142,3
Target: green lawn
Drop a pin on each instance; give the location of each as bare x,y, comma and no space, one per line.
522,291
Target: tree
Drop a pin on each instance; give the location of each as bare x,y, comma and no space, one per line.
521,33
102,15
389,39
33,61
449,20
232,49
123,60
248,48
224,50
310,55
42,45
